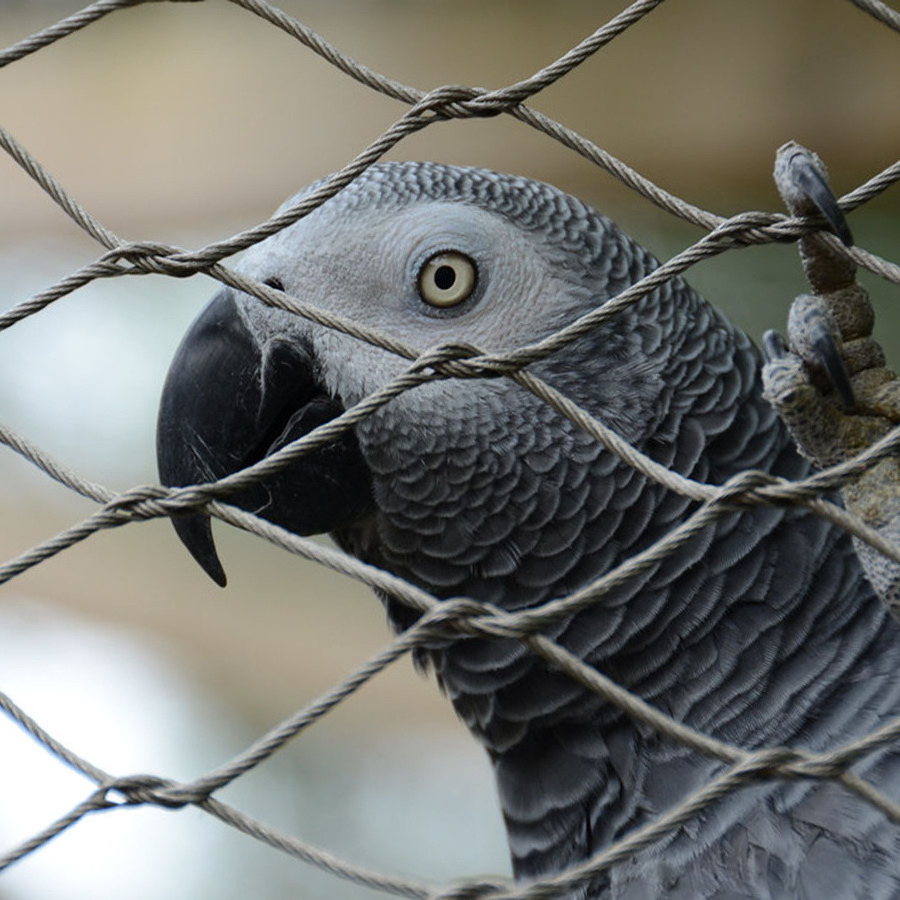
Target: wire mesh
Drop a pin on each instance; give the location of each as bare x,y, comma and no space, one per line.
439,619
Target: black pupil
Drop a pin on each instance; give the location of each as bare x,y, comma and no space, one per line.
445,277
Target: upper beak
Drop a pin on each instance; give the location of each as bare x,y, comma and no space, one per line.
227,403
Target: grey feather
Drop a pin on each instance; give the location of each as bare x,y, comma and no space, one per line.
761,631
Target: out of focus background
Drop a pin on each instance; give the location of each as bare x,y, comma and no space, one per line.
185,122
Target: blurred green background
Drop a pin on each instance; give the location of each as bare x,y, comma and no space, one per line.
184,122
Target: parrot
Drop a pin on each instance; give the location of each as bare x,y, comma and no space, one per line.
762,630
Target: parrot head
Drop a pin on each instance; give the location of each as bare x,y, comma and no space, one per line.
425,255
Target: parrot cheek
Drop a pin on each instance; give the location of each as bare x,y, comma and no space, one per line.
230,401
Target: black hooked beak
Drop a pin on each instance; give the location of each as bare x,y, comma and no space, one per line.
228,403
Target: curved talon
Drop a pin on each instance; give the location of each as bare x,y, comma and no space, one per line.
808,179
803,182
774,345
816,339
832,360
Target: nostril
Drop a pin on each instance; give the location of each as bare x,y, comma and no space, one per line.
276,283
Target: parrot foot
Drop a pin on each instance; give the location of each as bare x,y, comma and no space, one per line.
828,381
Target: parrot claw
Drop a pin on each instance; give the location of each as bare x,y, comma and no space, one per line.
803,182
829,382
836,368
832,361
815,337
774,345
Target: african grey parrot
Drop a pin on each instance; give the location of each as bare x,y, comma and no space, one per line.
761,631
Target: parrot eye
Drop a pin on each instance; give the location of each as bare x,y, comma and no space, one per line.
447,279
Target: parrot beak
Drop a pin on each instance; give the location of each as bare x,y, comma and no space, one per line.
227,403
